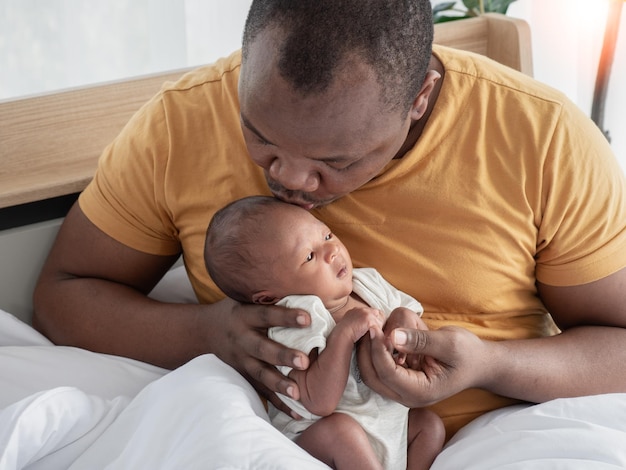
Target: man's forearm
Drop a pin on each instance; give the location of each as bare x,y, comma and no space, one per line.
581,361
107,317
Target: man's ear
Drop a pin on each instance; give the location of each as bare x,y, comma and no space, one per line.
264,298
420,105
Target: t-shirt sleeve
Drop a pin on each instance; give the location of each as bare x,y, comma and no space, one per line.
304,339
126,197
582,229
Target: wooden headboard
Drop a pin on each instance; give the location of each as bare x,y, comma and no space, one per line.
502,38
49,144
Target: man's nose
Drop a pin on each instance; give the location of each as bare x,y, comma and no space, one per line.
294,176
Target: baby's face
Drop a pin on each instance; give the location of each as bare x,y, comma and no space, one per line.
305,258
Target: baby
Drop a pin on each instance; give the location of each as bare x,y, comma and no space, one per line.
261,250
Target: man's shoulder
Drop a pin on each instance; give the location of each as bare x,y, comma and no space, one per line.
224,72
475,70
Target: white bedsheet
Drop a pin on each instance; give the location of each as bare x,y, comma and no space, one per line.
66,408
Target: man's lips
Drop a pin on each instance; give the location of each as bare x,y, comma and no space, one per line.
297,198
286,197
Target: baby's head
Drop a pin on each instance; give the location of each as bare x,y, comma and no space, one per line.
259,249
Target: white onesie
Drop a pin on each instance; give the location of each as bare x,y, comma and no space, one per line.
385,421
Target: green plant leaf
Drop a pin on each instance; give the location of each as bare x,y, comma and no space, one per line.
443,7
498,6
445,18
471,4
472,7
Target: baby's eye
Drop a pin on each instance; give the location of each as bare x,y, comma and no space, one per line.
328,237
309,258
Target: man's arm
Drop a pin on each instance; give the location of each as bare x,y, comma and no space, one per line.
92,293
587,358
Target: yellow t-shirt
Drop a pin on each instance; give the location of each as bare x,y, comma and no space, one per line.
508,183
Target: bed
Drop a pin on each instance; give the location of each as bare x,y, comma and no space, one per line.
63,407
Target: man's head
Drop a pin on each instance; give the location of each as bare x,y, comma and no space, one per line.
329,90
259,249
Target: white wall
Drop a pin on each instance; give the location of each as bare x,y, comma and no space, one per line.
48,45
567,40
51,44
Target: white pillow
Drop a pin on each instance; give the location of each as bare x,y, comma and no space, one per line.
31,364
49,430
31,369
14,332
574,433
203,415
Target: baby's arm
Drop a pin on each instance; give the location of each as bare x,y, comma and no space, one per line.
323,383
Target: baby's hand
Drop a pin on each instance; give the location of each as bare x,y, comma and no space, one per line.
358,322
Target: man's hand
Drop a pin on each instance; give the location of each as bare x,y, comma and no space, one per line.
402,317
453,360
240,339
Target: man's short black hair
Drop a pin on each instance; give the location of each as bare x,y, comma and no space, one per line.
393,36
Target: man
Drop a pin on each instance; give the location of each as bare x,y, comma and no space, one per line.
486,195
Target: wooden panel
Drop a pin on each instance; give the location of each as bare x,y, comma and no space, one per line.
509,42
49,144
468,34
502,38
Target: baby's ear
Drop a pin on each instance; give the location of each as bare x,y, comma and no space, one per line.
264,298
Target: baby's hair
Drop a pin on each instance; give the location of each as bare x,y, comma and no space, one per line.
228,256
